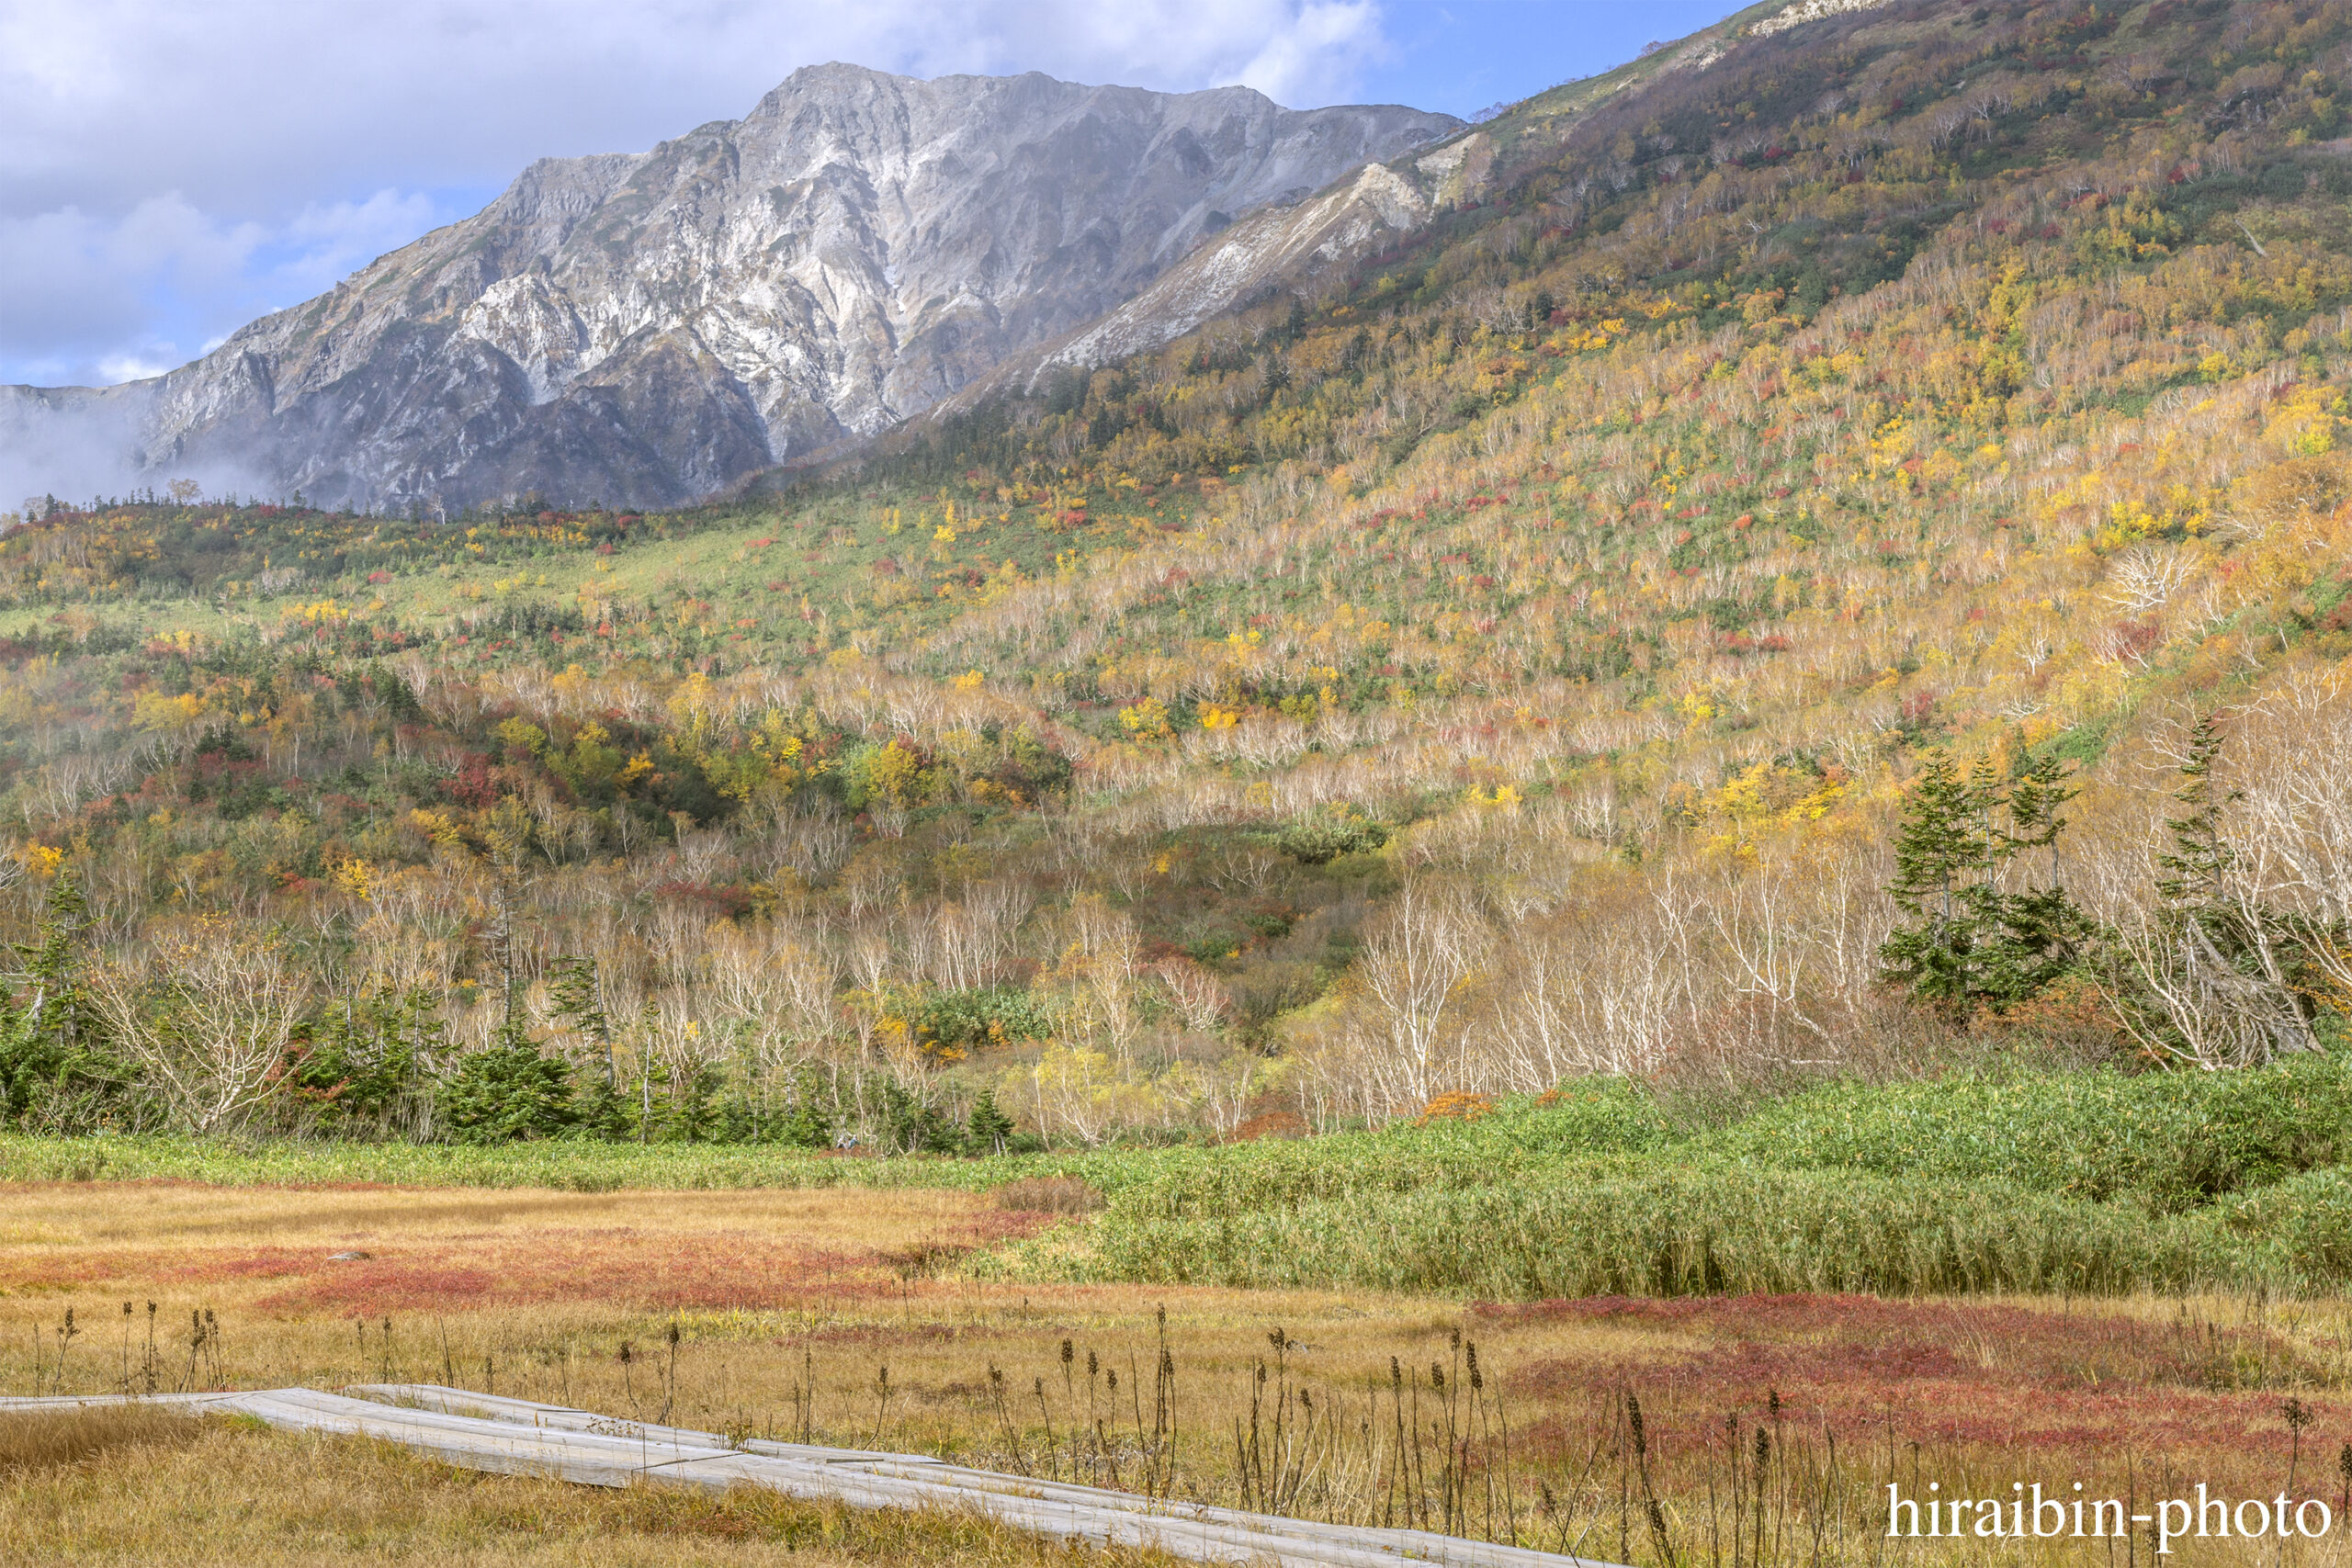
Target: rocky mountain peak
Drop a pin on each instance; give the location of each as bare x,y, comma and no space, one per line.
647,328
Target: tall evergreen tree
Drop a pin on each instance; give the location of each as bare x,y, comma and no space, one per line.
2196,869
2040,932
54,1007
990,1127
602,1112
1940,860
579,1003
1971,940
53,1060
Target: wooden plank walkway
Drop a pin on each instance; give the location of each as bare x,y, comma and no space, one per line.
519,1437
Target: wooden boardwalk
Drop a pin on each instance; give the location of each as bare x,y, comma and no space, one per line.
519,1437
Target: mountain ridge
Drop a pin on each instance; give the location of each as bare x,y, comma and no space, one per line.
649,327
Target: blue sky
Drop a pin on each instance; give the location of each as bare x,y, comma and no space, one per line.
1461,58
170,169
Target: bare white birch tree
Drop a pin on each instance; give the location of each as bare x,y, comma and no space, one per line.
208,1013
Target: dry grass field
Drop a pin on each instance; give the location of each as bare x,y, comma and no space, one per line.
1765,1429
145,1489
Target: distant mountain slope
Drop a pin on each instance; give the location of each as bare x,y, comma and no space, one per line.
645,329
1308,247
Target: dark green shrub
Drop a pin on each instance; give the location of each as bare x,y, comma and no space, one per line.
805,1126
989,1128
2170,1140
910,1126
506,1092
1322,837
983,1016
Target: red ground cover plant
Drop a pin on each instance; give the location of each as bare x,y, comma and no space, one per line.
2094,1392
622,1268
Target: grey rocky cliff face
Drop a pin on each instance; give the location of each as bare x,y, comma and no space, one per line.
646,330
1293,247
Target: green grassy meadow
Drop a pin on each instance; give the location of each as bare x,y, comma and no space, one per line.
2093,1182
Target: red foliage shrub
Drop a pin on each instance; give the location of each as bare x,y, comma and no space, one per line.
1272,1124
472,786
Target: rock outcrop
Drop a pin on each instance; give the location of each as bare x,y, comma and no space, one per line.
1278,248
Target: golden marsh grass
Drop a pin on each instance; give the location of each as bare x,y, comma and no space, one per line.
845,1316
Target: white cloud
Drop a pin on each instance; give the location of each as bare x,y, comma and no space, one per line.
327,242
88,292
169,232
1321,56
83,289
118,367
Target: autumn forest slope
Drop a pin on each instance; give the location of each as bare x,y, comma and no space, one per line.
1504,661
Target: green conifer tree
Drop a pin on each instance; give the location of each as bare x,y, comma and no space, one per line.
55,1010
1970,942
806,1124
990,1127
600,1110
53,1056
2040,932
2196,869
579,1003
505,1091
1940,859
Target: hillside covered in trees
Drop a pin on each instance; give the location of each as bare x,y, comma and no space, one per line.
1830,559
